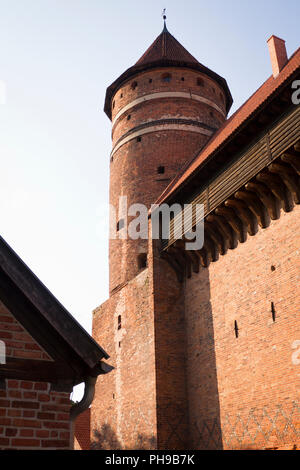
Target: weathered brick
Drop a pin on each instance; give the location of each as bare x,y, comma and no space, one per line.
26,432
55,443
25,404
26,442
11,432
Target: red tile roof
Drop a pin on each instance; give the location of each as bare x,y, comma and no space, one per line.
234,123
166,47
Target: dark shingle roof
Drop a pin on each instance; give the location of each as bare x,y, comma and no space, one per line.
166,47
47,314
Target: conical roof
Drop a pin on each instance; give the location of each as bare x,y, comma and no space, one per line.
166,47
165,51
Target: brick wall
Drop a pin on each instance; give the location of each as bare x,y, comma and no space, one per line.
134,166
170,356
142,404
31,415
123,412
243,392
82,426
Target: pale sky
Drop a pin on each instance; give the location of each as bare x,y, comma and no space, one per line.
56,59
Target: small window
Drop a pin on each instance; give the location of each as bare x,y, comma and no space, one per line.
114,104
120,225
236,329
142,261
200,82
211,114
134,85
121,95
166,77
160,170
119,322
128,117
150,80
182,79
273,311
139,139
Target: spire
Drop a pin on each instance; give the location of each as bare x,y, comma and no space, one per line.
165,30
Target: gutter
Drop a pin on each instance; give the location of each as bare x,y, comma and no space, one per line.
89,390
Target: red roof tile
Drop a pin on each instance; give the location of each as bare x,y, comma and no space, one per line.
166,47
233,124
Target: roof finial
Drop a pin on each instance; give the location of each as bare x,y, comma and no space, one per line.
164,18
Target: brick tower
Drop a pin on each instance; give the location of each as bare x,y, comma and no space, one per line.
164,109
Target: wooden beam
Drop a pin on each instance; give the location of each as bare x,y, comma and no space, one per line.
287,174
234,221
256,206
203,256
266,196
293,159
211,248
228,234
215,236
38,371
244,214
278,188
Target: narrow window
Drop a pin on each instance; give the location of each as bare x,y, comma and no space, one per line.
160,170
166,77
139,139
236,329
128,117
182,79
150,80
200,82
120,224
142,261
119,344
119,322
134,85
273,268
211,114
121,96
114,104
273,311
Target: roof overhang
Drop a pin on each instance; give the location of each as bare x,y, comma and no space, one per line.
136,69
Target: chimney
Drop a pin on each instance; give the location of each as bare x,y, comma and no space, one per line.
278,54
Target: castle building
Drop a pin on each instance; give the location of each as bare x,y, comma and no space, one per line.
204,343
